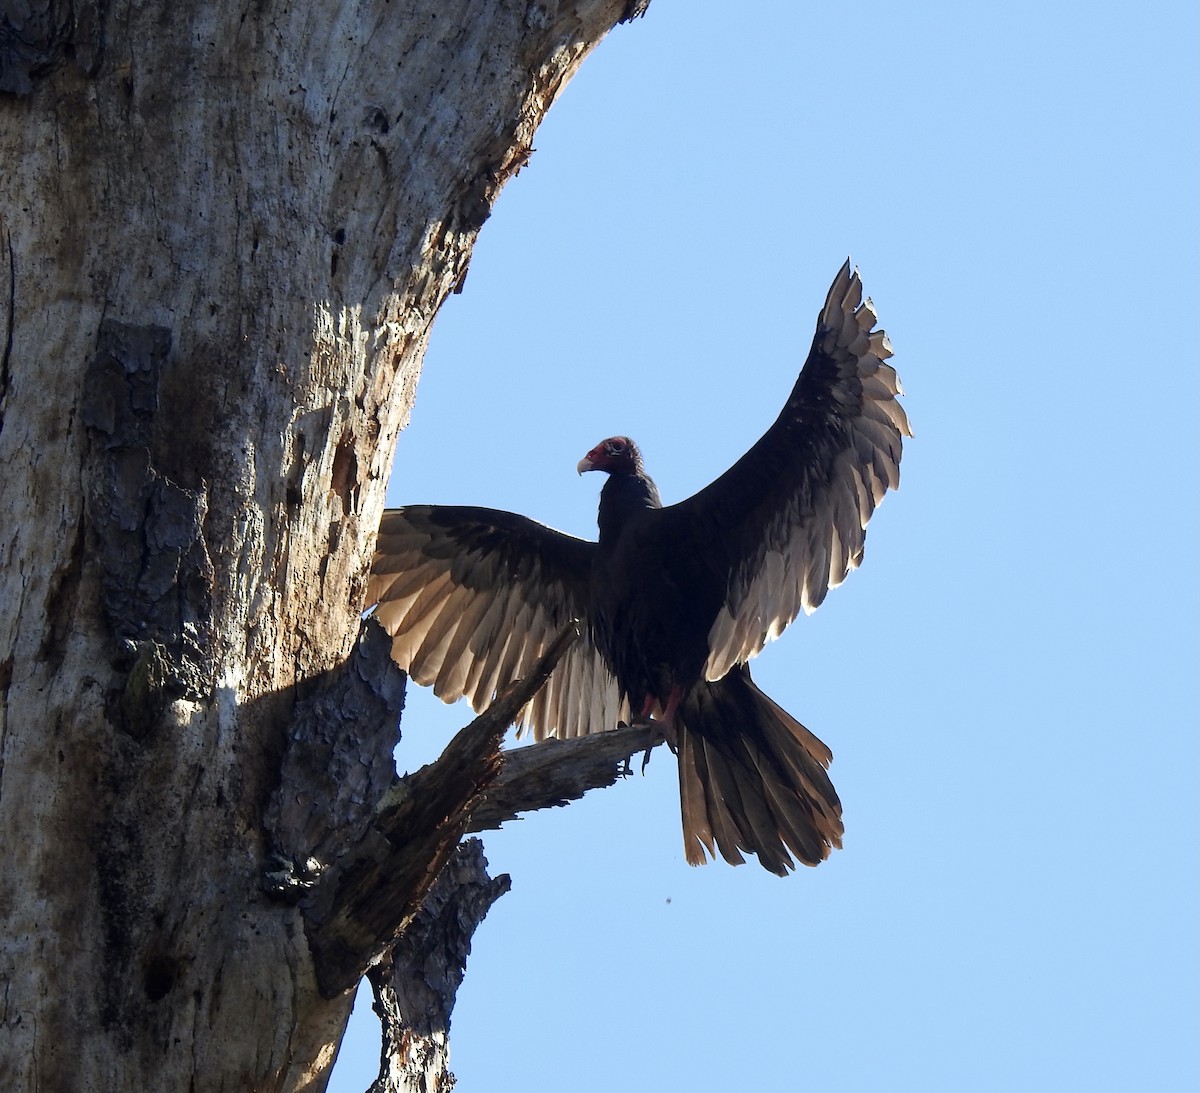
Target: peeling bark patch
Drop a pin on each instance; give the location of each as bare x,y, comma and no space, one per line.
430,958
416,984
338,761
121,385
157,576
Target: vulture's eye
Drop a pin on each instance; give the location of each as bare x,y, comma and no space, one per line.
614,447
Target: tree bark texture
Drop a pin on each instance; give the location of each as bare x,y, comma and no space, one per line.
416,985
225,231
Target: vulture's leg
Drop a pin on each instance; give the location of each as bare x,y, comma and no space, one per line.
666,723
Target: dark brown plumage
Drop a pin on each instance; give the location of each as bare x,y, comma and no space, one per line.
674,600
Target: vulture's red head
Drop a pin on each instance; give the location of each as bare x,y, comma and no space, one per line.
616,455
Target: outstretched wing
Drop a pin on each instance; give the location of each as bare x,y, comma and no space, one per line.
788,520
472,597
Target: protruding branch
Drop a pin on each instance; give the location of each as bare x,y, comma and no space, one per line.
369,895
556,772
416,984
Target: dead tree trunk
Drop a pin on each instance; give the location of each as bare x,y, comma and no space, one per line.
225,231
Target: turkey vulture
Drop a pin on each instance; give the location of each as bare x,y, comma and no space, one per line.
673,600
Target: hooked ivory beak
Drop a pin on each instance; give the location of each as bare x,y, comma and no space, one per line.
585,464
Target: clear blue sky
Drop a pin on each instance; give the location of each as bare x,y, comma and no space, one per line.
1009,684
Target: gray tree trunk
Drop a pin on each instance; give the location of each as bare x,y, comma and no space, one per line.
225,231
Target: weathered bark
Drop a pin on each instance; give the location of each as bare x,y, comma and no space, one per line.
224,234
416,985
369,896
557,772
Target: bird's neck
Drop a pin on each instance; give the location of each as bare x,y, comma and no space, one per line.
623,497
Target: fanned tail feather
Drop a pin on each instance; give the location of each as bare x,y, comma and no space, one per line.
753,779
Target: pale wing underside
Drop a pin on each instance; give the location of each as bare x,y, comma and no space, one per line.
473,597
816,537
